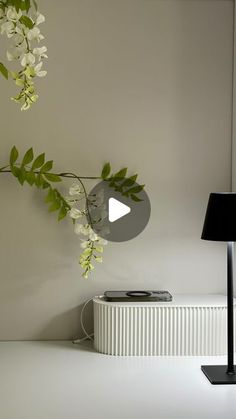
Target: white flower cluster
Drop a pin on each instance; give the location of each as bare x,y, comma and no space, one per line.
92,245
92,248
24,33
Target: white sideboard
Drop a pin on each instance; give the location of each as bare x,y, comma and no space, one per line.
188,325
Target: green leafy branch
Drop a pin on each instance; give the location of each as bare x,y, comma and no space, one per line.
37,171
121,183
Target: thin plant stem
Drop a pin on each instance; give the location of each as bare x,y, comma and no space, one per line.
66,175
4,167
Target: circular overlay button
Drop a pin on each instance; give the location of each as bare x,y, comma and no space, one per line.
116,217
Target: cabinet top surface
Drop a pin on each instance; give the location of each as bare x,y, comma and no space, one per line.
179,300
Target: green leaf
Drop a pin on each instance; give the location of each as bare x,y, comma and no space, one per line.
106,170
134,177
17,4
39,161
112,183
55,206
52,177
121,174
45,184
30,178
28,157
38,180
129,181
135,189
14,155
50,196
25,20
21,175
119,189
15,171
4,71
135,198
27,5
62,213
47,166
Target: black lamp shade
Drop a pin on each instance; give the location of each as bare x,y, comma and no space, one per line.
220,220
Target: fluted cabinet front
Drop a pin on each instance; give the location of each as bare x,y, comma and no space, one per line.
155,330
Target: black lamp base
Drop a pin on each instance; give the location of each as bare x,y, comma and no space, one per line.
217,374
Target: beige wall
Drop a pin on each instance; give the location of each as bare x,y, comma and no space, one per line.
143,83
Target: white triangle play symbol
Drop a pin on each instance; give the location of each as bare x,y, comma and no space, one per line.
117,209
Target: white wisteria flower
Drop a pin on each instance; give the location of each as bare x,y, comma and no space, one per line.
18,40
39,18
91,243
27,59
8,28
102,242
91,248
75,189
93,236
71,200
34,34
83,229
21,30
40,52
98,259
75,213
25,106
84,244
21,25
18,50
13,15
38,71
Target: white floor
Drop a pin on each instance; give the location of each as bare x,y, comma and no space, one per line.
59,380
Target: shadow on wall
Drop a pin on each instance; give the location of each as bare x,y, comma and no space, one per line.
55,329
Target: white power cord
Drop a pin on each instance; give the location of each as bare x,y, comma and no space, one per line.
87,336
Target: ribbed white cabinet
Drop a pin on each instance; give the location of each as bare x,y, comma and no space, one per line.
189,325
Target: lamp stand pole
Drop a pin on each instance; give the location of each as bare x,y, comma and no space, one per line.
230,307
222,374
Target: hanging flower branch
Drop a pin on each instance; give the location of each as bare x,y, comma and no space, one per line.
38,172
21,26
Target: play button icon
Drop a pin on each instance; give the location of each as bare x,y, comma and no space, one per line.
116,210
117,216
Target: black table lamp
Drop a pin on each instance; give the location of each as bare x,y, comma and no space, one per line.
220,225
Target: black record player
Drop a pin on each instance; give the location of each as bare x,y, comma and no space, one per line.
129,296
